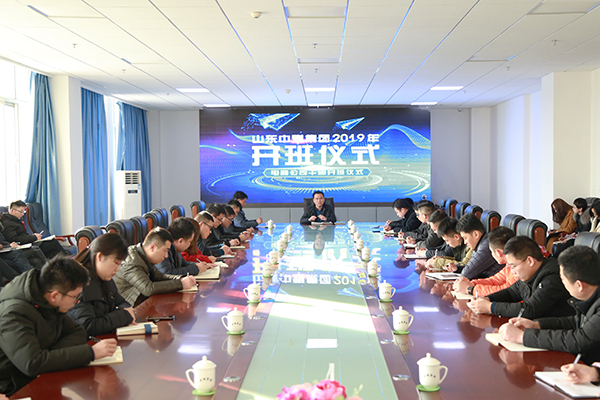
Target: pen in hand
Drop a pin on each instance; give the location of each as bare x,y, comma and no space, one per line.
520,315
95,339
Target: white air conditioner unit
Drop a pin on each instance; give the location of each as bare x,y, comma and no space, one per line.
128,194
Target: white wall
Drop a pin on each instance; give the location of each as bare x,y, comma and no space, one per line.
450,155
65,92
174,141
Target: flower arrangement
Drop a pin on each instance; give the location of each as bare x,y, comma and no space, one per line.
325,390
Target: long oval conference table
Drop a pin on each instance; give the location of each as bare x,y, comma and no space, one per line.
320,307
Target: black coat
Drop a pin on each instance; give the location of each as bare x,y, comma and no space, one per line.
174,264
481,264
543,295
410,222
311,210
35,337
99,313
576,334
14,231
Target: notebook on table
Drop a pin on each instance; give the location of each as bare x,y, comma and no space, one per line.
116,358
558,381
146,328
209,274
496,340
443,276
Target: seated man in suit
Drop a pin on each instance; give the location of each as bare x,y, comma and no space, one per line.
240,219
14,231
36,335
318,211
580,274
139,278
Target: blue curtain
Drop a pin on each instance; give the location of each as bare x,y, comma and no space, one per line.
43,177
133,150
95,158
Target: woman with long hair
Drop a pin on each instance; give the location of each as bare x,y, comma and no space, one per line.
102,309
562,214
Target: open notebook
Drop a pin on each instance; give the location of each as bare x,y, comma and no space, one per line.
462,296
557,380
494,338
116,358
443,276
146,328
209,274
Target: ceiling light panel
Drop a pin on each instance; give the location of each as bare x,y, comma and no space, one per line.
326,12
564,7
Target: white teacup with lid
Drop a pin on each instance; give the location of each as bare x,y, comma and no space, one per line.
268,269
366,253
401,320
274,257
252,292
372,268
350,223
235,321
430,371
356,236
386,291
352,228
270,223
289,230
360,244
204,376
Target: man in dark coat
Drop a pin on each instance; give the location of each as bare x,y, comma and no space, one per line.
35,334
318,211
14,231
580,273
539,291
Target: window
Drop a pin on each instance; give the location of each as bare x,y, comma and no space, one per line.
16,130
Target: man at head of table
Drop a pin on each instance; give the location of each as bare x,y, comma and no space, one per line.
318,211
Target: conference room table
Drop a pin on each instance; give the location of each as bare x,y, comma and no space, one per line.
320,307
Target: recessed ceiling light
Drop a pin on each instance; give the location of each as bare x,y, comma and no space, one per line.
320,89
446,87
320,104
217,105
424,103
193,90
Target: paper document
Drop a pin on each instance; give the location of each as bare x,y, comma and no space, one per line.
192,290
116,358
146,328
494,338
6,249
237,247
414,256
46,239
225,257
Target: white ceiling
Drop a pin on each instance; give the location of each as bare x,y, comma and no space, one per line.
373,52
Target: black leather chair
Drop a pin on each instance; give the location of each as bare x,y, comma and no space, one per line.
533,228
35,223
124,228
3,209
177,211
141,228
163,220
197,206
490,219
590,239
474,209
84,236
460,209
451,207
328,200
511,221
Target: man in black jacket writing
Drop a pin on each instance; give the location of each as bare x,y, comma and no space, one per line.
580,273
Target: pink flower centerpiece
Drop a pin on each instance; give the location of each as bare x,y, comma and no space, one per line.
324,390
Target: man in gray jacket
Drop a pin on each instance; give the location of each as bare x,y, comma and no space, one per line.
36,336
138,277
580,273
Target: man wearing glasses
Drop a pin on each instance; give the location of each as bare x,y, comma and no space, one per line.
538,293
14,231
36,335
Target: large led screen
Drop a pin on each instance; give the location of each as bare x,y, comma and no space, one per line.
280,155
